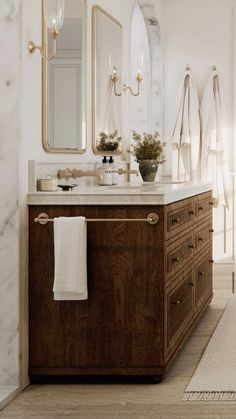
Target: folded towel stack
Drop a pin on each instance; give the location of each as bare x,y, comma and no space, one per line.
70,253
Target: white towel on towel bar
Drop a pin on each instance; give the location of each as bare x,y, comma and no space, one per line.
70,253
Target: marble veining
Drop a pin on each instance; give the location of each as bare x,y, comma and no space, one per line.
10,25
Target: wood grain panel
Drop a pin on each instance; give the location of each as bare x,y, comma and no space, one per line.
119,325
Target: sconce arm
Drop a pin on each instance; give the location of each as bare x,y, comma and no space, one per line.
114,80
139,80
32,47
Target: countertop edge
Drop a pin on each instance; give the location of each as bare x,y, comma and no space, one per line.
116,198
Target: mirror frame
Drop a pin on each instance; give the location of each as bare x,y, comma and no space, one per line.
94,78
45,139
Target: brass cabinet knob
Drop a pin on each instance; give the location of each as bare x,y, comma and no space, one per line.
200,239
176,303
211,203
211,231
191,246
176,220
201,273
191,212
211,261
175,259
201,208
191,284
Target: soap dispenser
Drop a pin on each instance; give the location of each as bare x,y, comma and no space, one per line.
106,172
114,170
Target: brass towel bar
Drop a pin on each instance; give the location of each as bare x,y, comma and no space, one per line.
151,219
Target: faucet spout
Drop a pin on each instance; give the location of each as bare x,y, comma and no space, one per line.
68,174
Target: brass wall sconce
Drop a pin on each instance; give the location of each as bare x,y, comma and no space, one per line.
54,17
139,80
115,78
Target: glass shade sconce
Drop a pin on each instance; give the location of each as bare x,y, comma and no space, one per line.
53,11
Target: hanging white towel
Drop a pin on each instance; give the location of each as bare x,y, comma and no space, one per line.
70,253
186,134
214,161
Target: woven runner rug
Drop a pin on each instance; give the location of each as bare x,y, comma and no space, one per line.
215,375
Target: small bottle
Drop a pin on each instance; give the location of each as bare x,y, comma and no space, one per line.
106,173
114,170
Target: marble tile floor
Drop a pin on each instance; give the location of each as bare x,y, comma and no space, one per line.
137,400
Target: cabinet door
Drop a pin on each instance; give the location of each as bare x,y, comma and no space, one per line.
120,325
203,278
180,308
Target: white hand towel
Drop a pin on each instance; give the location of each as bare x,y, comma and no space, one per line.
70,253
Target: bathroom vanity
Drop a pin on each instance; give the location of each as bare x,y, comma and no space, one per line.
148,284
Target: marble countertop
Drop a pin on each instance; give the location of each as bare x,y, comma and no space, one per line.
160,193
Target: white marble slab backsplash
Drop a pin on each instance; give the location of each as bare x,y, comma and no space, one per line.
40,170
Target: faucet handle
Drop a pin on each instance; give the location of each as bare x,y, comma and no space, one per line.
128,172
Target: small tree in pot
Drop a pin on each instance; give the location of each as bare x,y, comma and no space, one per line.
148,150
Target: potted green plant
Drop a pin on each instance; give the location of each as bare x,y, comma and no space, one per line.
108,142
148,150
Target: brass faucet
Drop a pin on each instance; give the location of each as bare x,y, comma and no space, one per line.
68,174
128,172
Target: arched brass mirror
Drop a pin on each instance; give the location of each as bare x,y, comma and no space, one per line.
64,83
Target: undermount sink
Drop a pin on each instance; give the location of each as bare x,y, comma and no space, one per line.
143,186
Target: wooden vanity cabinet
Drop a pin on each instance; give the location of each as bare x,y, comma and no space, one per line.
146,290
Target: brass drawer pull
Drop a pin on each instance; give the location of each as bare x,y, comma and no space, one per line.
211,261
191,284
200,239
211,231
191,212
176,303
191,246
176,220
211,203
201,273
175,259
201,208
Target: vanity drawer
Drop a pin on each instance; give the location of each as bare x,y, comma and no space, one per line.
203,279
203,236
180,308
203,205
179,216
179,253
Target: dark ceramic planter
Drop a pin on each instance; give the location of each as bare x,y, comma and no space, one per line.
148,170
